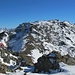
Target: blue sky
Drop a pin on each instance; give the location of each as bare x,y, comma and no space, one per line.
15,12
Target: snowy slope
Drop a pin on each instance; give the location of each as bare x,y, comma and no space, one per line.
67,70
36,55
18,42
54,35
44,37
4,37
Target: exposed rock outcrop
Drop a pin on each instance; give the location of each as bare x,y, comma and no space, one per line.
46,63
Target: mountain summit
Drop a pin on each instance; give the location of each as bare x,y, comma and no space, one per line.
42,37
32,43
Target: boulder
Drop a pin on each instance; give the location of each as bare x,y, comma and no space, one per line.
46,63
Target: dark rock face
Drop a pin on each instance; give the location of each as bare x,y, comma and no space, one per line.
68,60
23,27
49,62
46,63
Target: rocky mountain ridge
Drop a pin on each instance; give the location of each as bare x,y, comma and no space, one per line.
33,39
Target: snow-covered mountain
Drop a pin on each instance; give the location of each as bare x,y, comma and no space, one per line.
42,37
31,40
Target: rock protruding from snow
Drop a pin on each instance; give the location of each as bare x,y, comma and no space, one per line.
46,63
